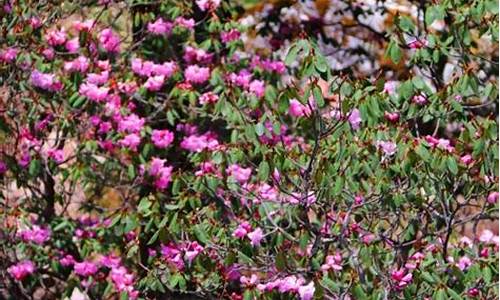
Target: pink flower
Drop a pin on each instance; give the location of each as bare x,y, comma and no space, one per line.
464,263
208,97
48,53
419,99
56,37
166,69
240,174
389,148
186,23
109,40
93,92
154,83
418,43
8,55
56,154
467,159
392,117
162,138
192,250
131,141
486,236
22,269
83,26
229,36
242,79
390,87
35,22
73,45
257,87
249,281
306,292
85,268
198,143
194,55
162,173
355,119
207,4
368,238
492,198
164,178
36,234
67,260
298,109
79,64
402,278
332,262
242,230
196,74
255,237
160,27
97,78
131,123
45,81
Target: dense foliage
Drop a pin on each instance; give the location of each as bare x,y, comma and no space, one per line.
237,150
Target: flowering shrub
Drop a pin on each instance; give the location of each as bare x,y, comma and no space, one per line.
306,151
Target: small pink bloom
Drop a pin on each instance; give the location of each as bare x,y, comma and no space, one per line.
109,40
131,141
298,109
186,23
389,148
419,99
205,5
162,138
79,64
390,87
240,174
355,119
229,36
392,117
467,159
306,292
8,55
73,45
208,98
196,74
418,43
56,37
154,83
56,154
464,263
255,237
93,92
160,27
85,268
257,87
492,198
22,269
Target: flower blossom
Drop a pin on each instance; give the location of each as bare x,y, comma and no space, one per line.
22,269
196,74
162,138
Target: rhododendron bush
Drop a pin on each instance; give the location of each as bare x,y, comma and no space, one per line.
240,150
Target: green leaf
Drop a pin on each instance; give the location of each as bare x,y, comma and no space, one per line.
318,96
439,295
34,168
259,129
394,52
291,55
359,293
263,170
433,13
454,294
452,165
201,234
144,205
